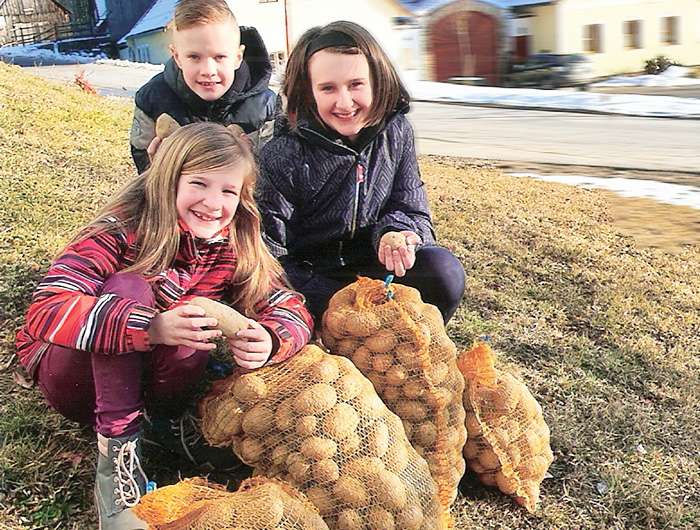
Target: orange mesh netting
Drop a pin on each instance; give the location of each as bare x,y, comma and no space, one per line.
508,443
259,504
399,343
317,423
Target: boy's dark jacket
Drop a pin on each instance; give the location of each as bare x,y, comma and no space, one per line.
316,209
249,102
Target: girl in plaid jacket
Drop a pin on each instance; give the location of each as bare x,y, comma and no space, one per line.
110,332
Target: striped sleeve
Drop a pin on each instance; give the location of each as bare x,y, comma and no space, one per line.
68,311
286,317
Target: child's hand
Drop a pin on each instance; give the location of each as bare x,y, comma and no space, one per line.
252,347
400,260
153,147
182,326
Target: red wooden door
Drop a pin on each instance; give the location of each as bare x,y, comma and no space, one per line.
464,45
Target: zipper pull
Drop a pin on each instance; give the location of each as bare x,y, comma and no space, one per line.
360,173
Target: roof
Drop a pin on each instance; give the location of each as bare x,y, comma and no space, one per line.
426,6
155,19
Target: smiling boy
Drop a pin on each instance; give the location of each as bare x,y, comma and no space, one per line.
218,72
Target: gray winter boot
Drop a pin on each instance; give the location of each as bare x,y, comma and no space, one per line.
120,482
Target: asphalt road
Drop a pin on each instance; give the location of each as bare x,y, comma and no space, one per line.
562,138
511,136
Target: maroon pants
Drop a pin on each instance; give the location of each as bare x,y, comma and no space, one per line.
111,391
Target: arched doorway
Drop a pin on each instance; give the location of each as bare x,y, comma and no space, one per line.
464,44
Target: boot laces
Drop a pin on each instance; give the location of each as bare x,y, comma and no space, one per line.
127,465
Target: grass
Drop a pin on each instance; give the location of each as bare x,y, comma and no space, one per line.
602,332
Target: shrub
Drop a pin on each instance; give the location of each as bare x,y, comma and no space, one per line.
658,65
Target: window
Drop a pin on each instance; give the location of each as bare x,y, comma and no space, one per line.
592,38
669,30
632,34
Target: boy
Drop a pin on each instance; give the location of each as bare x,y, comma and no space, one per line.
207,79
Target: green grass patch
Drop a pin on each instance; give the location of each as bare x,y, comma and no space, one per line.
603,333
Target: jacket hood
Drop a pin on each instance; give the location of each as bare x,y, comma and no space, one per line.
252,77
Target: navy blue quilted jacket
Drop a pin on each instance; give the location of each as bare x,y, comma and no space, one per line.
326,203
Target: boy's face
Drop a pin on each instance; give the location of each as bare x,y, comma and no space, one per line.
208,55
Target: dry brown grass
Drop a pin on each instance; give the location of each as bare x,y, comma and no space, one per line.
602,332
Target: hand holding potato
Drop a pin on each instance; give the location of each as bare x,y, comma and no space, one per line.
250,342
251,347
397,251
183,326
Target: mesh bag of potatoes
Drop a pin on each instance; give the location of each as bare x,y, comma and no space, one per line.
259,504
508,439
399,343
315,422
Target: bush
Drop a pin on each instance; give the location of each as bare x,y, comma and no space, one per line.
658,65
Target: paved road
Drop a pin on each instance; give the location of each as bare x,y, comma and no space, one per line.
509,135
563,138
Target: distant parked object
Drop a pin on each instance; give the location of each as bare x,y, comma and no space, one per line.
548,70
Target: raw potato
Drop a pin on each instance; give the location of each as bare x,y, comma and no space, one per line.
229,320
165,126
395,240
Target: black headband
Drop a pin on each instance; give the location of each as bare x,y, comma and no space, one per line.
330,40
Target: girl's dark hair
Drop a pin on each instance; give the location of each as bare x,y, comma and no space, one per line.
387,88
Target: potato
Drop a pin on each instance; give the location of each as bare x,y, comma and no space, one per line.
349,386
222,422
413,388
306,425
325,470
250,450
318,448
410,518
349,490
284,415
249,388
322,499
489,459
349,520
381,342
229,320
377,439
382,362
395,240
340,422
426,434
166,125
334,322
362,324
315,399
380,519
362,467
396,375
258,420
325,371
387,487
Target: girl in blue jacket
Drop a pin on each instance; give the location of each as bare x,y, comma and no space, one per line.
341,171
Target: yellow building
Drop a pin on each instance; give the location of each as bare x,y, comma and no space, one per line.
618,36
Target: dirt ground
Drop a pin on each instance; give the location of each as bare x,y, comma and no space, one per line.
652,224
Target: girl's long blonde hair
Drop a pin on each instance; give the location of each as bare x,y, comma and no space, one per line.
146,205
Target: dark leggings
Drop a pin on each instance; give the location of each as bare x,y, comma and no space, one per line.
111,391
437,274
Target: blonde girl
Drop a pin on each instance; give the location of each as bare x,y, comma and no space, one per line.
110,333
